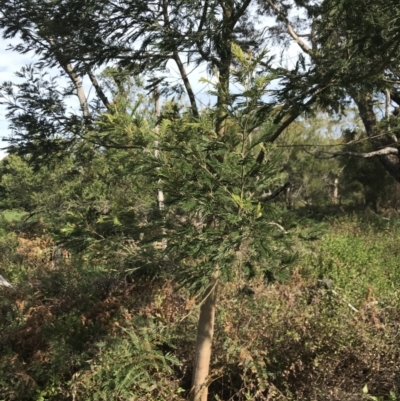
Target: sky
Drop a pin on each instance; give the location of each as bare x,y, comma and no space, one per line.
10,62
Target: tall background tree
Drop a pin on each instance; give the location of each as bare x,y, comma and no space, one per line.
349,60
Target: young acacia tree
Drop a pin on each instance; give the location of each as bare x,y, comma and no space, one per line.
217,217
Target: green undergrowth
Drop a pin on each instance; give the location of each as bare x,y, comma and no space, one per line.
10,215
360,254
78,330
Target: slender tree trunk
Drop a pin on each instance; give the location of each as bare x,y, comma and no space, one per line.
205,333
335,195
186,82
160,193
77,81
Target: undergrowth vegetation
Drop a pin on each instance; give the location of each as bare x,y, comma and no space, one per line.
73,330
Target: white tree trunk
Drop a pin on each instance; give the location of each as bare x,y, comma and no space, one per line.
335,195
387,112
76,79
160,193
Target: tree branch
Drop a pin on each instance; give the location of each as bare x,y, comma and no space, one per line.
281,128
273,195
186,82
5,283
395,96
180,66
390,161
241,10
98,89
330,155
203,54
77,81
74,77
290,28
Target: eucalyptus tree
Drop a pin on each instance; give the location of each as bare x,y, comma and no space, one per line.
350,50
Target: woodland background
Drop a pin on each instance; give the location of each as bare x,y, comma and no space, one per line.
265,221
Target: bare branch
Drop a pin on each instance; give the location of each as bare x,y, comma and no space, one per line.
98,89
5,283
181,67
75,78
187,84
330,155
331,145
307,49
273,195
77,81
272,223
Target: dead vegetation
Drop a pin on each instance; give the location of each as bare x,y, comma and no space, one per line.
291,341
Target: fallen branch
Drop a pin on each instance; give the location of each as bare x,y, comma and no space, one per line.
343,299
330,155
327,284
4,282
272,223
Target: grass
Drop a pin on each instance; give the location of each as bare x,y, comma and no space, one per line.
12,215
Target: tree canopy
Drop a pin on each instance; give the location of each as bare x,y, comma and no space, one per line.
340,59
